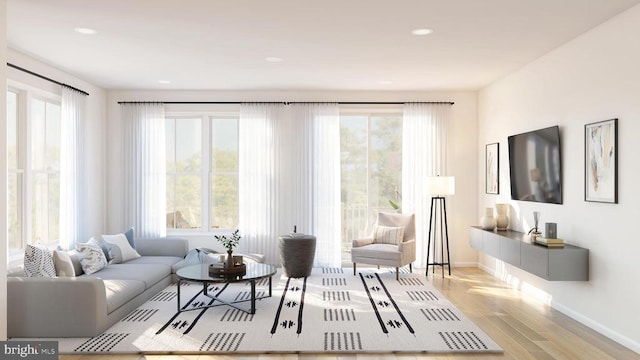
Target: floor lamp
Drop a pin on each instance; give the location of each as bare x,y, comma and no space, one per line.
438,187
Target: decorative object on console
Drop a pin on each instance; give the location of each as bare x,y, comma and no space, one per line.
535,232
601,161
502,216
440,186
551,230
550,243
492,168
229,243
488,222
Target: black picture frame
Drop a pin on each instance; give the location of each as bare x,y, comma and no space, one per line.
492,168
601,161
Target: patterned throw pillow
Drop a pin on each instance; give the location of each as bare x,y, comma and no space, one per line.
91,256
38,261
388,235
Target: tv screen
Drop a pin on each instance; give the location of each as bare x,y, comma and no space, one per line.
534,166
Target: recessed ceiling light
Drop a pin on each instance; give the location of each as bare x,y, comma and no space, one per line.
422,31
273,59
164,81
85,31
385,82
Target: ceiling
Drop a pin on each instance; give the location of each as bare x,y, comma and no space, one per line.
324,44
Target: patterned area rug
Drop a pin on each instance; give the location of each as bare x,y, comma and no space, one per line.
329,311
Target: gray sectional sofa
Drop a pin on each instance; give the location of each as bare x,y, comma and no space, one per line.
87,305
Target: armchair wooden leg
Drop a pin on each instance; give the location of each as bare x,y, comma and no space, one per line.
354,269
397,274
410,268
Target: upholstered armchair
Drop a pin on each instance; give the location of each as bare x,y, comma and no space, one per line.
392,243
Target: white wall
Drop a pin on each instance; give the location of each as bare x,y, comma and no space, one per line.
595,77
461,207
94,133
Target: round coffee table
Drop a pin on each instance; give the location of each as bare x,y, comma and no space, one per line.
200,273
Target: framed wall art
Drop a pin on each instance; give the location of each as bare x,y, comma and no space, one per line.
492,168
601,161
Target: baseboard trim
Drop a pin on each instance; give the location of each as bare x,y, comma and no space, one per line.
590,323
464,264
596,326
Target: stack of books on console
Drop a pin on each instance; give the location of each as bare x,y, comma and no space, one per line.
550,243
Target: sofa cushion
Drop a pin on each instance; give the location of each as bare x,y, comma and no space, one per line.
75,260
166,260
91,256
150,274
63,264
378,251
120,292
126,250
115,255
38,261
130,235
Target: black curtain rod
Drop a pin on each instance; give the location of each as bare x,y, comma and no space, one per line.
46,78
285,102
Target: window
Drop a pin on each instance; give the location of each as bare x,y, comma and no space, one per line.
184,164
33,169
15,175
45,171
371,170
202,172
224,172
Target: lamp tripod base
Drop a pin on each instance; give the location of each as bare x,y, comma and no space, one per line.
438,212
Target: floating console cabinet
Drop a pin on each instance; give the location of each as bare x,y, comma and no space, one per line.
570,263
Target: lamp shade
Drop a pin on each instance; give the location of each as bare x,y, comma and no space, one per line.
441,185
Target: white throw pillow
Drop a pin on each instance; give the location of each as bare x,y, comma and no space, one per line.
388,235
91,256
38,261
63,264
120,240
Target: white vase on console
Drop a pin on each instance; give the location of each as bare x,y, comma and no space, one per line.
488,222
502,216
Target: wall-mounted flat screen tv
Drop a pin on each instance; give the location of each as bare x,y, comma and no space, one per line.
535,166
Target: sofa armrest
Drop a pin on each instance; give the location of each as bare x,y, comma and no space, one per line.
408,251
55,307
361,242
162,247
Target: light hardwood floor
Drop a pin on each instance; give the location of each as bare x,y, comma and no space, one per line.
523,327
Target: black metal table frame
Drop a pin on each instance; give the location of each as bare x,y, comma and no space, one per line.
205,291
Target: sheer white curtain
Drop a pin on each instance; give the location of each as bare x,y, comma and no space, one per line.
326,184
145,168
71,179
424,153
290,176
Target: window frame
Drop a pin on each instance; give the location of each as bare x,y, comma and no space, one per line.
24,163
206,171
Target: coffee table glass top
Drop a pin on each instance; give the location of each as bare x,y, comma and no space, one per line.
200,272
